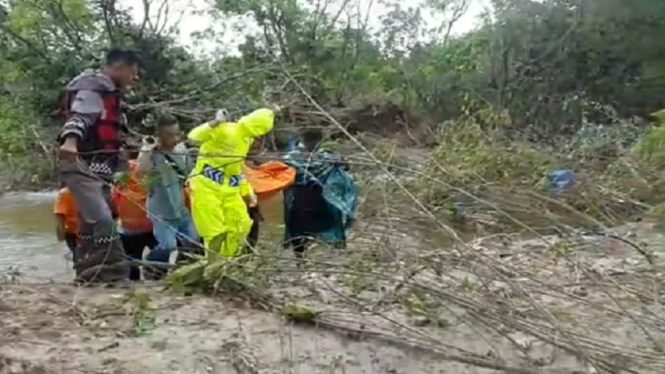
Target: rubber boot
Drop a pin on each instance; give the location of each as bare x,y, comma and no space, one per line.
102,261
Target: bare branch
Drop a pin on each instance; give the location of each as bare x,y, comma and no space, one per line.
68,27
451,11
146,16
335,18
176,24
108,9
194,94
162,17
13,34
459,9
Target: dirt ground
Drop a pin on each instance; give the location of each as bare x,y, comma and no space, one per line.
546,306
62,329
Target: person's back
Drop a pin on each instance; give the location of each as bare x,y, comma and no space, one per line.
223,154
317,204
130,198
166,183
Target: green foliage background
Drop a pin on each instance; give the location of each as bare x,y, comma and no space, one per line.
578,78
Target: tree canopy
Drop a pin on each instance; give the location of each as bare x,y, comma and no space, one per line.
551,65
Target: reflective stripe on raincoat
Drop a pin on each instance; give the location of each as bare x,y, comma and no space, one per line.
217,185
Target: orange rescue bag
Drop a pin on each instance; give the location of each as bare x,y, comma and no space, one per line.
270,178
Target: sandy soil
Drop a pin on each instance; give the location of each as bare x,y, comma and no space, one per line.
61,329
527,307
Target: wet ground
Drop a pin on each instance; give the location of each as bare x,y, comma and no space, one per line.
28,245
394,302
27,238
49,326
100,332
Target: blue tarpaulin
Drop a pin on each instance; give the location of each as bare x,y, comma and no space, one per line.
320,171
561,179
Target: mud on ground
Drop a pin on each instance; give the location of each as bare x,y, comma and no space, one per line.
568,305
62,329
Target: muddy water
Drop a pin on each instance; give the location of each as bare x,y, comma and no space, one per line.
27,238
28,243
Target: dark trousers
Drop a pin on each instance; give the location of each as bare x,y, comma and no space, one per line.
99,257
253,237
299,245
134,244
307,216
71,239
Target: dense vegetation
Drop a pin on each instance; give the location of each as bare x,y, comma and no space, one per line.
538,84
469,123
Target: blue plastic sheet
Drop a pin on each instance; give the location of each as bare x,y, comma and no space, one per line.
338,188
561,179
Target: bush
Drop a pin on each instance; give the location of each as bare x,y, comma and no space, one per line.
25,148
499,179
470,153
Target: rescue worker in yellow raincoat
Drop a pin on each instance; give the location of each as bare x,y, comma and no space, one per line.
218,190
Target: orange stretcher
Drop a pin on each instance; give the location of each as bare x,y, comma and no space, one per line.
129,198
270,178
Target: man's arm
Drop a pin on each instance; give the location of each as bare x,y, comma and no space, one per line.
258,122
144,161
86,108
188,161
201,133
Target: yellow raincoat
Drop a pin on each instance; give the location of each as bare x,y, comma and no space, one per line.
217,186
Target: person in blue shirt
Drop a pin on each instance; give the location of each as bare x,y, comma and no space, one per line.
165,163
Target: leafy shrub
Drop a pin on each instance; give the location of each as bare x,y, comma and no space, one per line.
478,167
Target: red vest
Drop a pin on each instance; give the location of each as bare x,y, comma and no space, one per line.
107,130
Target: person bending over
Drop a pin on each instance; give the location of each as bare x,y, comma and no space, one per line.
308,211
